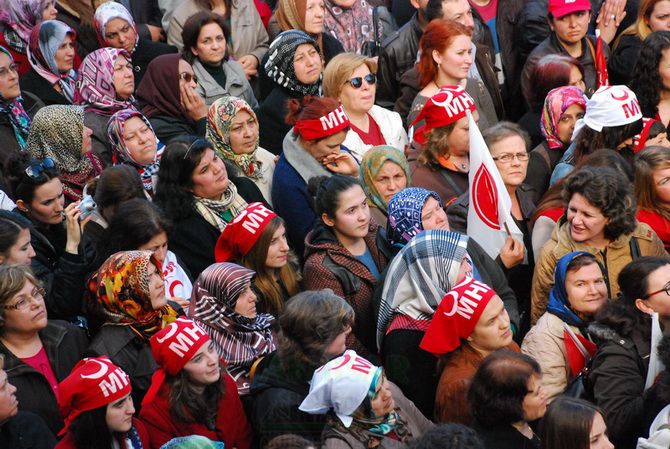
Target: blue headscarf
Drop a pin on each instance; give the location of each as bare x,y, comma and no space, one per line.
404,214
558,297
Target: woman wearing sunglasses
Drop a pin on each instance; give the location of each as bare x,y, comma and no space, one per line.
351,79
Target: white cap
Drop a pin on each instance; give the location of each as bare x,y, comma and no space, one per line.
612,106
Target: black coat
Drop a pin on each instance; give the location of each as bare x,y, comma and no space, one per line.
146,51
26,431
145,12
271,118
504,437
32,82
168,128
541,165
624,58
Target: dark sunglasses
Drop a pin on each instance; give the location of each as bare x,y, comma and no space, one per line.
188,77
357,82
36,169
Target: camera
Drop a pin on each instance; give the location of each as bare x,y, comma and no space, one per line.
87,206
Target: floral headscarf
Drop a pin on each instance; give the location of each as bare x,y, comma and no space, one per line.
557,102
18,117
120,153
121,286
105,13
279,65
95,88
20,17
220,119
372,163
45,40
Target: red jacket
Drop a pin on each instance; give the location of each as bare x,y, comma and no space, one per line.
67,443
656,222
231,423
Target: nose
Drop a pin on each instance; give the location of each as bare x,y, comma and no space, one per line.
12,389
131,408
31,251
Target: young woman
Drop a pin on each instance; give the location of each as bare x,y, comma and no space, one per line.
345,241
574,424
652,173
191,392
15,246
648,78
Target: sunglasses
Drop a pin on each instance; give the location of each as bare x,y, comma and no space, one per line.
36,169
357,82
188,77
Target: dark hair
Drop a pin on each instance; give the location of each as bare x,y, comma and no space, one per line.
191,32
310,108
290,441
583,260
115,185
588,140
326,191
551,71
11,224
567,424
24,186
89,430
448,436
499,387
188,405
604,188
646,80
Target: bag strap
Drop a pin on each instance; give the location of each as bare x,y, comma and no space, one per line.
634,248
577,342
375,25
451,183
591,48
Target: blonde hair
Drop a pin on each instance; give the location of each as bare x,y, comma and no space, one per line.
339,70
650,159
640,28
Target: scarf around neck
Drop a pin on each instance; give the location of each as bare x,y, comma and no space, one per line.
219,212
18,117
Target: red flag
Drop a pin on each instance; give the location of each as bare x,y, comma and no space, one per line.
575,357
601,63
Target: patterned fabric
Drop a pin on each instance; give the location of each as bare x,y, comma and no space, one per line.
558,303
20,17
420,275
220,119
279,65
105,13
351,26
95,88
239,340
372,163
219,212
192,442
18,117
158,92
45,40
120,153
121,286
404,213
557,102
57,132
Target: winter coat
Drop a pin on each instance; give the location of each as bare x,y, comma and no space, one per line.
624,58
504,436
26,430
236,83
145,52
34,83
658,223
391,127
447,183
541,165
100,145
68,442
271,115
145,12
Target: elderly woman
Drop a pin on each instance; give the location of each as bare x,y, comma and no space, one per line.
233,129
351,80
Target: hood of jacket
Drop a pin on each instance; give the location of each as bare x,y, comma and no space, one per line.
321,238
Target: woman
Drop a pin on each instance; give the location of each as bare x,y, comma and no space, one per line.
312,331
648,77
599,218
351,23
133,142
97,416
384,172
15,247
204,36
233,129
294,67
38,353
579,292
168,98
462,341
344,240
224,305
58,132
505,395
310,150
51,55
127,295
191,392
195,192
257,241
445,61
362,407
652,168
574,424
351,80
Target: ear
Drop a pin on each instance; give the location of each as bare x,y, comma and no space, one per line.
437,57
415,4
2,259
327,220
21,205
551,23
643,307
194,50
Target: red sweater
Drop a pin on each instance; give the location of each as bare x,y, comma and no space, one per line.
231,423
656,222
67,443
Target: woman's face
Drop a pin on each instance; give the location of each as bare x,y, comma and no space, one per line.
210,179
48,203
492,331
433,215
513,172
566,123
586,289
120,34
204,367
319,149
25,312
124,78
246,303
314,15
64,56
156,287
587,222
338,345
576,78
661,177
278,250
307,64
664,68
658,302
383,404
598,436
9,78
50,12
21,252
571,28
659,19
140,140
185,69
352,216
119,416
158,245
390,180
456,59
243,133
211,45
535,402
459,139
362,99
86,140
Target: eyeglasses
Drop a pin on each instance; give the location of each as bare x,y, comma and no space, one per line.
36,169
665,289
188,77
357,82
509,157
11,68
37,295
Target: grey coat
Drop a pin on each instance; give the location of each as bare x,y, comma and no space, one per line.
236,83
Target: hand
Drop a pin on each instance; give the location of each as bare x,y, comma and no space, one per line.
249,64
611,8
342,163
183,302
608,27
512,253
192,103
73,228
157,33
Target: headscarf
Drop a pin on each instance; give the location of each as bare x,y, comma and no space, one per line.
57,132
121,286
19,18
372,163
108,11
120,153
158,92
290,15
404,214
279,65
192,442
45,40
95,87
351,26
220,119
18,117
238,340
559,304
557,102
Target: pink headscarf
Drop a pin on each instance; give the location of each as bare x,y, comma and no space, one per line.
557,102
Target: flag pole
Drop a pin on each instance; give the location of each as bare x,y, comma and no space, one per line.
509,234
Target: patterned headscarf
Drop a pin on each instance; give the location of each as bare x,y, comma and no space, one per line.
372,163
239,340
279,65
19,18
57,132
192,442
120,153
404,214
95,88
121,286
18,117
105,13
45,40
557,102
220,118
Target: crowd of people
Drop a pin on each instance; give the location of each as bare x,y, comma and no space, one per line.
246,224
